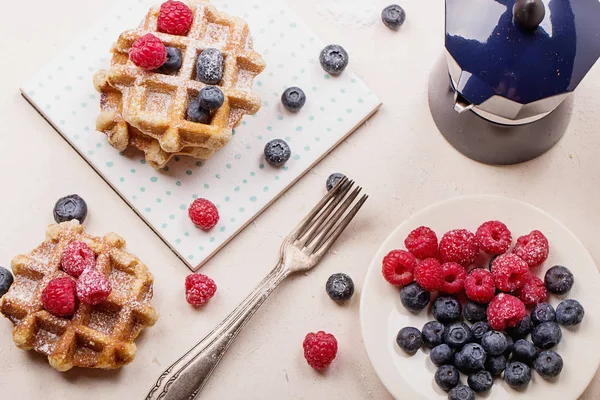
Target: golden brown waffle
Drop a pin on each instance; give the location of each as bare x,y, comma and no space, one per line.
156,103
99,336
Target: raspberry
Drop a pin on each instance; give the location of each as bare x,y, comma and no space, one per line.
505,311
175,18
76,257
320,349
429,274
204,214
398,267
148,52
533,292
479,286
93,287
199,289
453,275
422,243
493,237
459,246
59,298
532,248
510,272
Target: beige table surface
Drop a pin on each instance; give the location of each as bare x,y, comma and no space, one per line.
399,157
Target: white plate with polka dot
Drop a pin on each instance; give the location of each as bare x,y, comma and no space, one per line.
236,179
382,314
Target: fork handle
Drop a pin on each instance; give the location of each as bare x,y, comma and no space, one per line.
187,376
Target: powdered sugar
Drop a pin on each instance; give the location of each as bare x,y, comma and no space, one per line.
355,13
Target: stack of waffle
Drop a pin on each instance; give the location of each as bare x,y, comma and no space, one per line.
146,110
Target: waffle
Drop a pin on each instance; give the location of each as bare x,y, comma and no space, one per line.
98,336
156,103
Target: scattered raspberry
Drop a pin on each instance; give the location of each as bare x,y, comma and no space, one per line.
510,272
93,287
533,292
480,286
320,349
58,297
76,257
532,248
493,237
148,52
199,289
398,267
422,243
204,214
505,311
429,275
459,246
453,275
175,18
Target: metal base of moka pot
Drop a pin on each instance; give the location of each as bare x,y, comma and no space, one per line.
485,141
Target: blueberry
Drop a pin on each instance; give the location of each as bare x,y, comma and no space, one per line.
446,309
559,280
293,99
474,312
173,63
457,335
510,343
480,381
340,287
461,392
6,280
432,333
334,59
211,98
569,312
495,364
442,355
277,152
479,329
209,67
393,16
333,180
517,374
548,364
470,358
524,351
494,343
522,329
409,339
546,335
70,207
197,114
447,377
542,312
414,297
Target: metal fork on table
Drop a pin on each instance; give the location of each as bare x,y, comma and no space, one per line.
302,250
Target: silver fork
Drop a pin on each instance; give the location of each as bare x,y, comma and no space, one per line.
302,250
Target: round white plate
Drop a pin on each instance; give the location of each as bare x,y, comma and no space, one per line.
382,314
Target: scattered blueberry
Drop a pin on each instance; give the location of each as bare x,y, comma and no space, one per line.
293,99
442,355
495,364
334,59
522,329
542,312
414,297
209,67
446,309
461,392
524,351
546,335
470,358
559,280
433,332
173,63
517,374
70,207
393,16
447,377
6,280
340,287
569,312
197,114
494,343
457,335
409,339
510,343
548,364
474,312
277,152
480,381
479,329
211,98
333,180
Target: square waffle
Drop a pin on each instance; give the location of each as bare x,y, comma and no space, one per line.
100,336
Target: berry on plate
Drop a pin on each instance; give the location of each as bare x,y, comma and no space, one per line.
461,392
559,280
533,292
470,358
493,237
432,334
209,66
6,281
546,335
459,246
76,258
293,99
495,364
569,312
393,16
532,248
429,275
199,289
474,312
148,52
522,329
398,267
505,311
454,276
422,243
517,375
447,377
480,381
442,355
542,312
58,297
409,339
494,343
414,297
70,207
480,286
93,287
339,287
479,330
446,309
457,334
333,180
211,98
320,349
334,59
204,214
510,273
277,152
173,63
175,17
548,364
524,351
